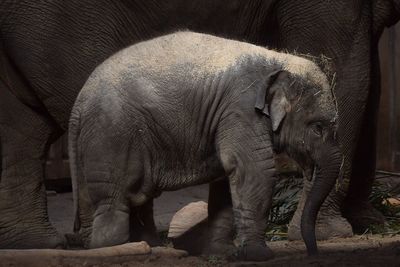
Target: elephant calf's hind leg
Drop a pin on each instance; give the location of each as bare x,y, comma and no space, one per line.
110,227
220,219
142,225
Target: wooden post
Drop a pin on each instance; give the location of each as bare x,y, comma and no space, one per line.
389,114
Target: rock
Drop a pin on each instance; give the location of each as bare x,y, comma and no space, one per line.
188,229
187,218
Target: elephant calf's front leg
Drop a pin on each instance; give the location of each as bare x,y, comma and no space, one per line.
251,178
251,197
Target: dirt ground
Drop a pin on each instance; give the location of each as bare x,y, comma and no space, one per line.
365,250
60,207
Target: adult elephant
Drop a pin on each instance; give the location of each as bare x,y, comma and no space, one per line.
48,49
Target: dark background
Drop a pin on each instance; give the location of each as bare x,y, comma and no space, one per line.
389,114
388,126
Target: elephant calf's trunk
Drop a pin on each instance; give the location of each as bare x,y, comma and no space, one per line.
325,178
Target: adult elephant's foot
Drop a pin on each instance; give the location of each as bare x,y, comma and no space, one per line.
330,222
24,138
362,215
25,236
326,227
24,222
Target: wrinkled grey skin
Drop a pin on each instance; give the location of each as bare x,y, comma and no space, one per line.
48,49
187,109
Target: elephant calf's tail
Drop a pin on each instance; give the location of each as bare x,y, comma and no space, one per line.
76,172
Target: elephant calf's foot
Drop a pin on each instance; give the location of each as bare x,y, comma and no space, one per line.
244,252
326,227
222,248
362,216
253,252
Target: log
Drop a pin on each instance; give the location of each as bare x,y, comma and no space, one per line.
54,257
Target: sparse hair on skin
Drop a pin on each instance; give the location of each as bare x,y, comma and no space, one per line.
178,51
323,62
326,65
212,60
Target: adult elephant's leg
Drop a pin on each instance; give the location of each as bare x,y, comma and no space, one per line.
142,225
351,54
220,218
356,207
351,91
24,135
330,222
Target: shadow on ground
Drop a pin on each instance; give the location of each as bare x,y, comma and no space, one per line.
60,207
365,250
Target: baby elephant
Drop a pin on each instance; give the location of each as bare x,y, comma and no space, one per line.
187,109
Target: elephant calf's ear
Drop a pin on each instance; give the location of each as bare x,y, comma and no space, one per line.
262,90
271,97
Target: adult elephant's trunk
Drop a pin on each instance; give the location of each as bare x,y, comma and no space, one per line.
327,170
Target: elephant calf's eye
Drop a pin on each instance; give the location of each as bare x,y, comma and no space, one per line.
317,129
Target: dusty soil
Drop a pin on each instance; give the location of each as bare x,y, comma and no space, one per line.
60,207
364,250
